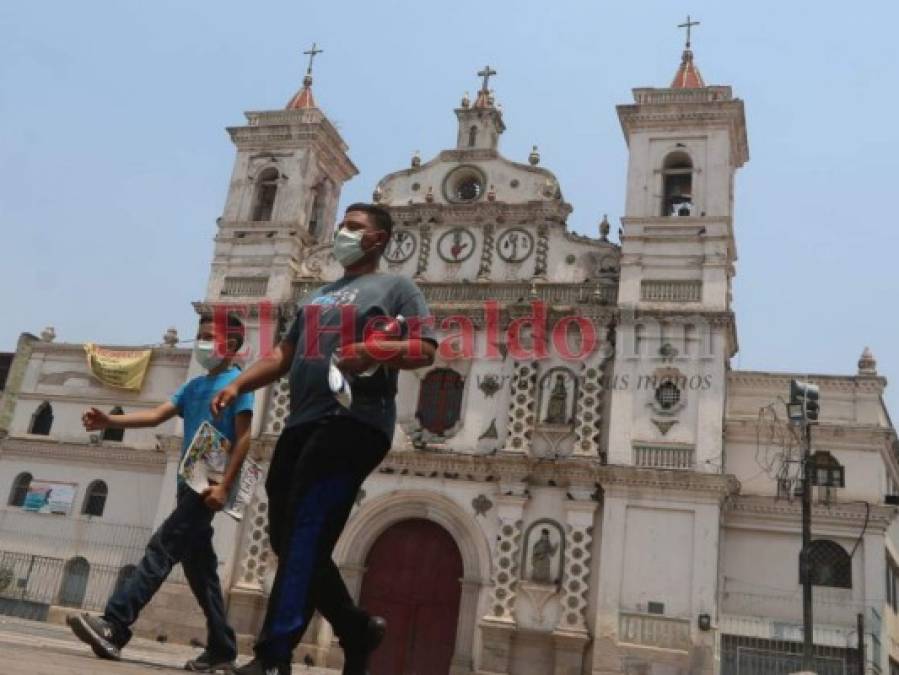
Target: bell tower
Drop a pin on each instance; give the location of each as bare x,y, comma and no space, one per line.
480,123
290,167
676,333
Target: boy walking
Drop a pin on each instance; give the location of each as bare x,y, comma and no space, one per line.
186,535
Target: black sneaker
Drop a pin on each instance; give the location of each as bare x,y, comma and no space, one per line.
98,633
257,667
210,663
355,656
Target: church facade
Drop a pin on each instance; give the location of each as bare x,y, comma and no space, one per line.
580,484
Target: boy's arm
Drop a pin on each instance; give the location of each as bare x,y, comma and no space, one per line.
265,371
215,496
95,419
400,354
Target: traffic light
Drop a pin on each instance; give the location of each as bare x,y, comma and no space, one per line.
803,406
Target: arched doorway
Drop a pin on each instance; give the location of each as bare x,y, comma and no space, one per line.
74,582
412,579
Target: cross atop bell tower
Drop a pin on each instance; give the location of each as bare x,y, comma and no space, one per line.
687,75
481,123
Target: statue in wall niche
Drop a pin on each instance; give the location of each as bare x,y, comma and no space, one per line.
556,409
542,557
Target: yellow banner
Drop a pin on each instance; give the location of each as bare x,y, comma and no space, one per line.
117,367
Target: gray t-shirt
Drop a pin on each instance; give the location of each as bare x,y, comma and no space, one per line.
360,299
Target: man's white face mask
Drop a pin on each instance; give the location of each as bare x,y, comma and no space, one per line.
347,246
204,352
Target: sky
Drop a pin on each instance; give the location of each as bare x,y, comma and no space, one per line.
114,162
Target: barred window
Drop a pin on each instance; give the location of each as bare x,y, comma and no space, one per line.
42,420
113,434
95,499
440,400
667,395
829,564
20,489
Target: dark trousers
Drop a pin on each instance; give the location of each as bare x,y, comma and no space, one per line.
185,537
315,475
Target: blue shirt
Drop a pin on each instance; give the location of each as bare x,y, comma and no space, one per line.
193,398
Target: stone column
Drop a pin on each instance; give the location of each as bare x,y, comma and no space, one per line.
522,408
468,605
246,607
499,625
606,660
571,635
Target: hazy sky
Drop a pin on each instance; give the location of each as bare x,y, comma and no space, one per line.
114,162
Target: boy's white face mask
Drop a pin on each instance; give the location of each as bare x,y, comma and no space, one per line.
204,353
347,246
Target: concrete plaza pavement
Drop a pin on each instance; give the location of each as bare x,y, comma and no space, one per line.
38,648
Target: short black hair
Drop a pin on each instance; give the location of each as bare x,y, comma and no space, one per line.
235,328
381,216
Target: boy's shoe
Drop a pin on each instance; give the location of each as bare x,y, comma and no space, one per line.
98,633
355,656
210,663
257,667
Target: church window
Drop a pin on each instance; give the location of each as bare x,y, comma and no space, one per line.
440,400
111,434
317,217
829,564
74,582
472,136
667,395
468,190
677,185
42,420
20,489
266,190
95,499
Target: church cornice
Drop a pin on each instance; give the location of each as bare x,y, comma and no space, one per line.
161,355
836,434
537,212
67,453
526,471
770,513
848,384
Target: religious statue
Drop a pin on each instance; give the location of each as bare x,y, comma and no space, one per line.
542,557
558,403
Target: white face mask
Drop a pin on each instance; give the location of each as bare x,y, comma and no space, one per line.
204,353
347,246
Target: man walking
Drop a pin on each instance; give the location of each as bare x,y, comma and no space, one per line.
327,450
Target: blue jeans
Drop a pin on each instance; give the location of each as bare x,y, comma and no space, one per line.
185,537
315,475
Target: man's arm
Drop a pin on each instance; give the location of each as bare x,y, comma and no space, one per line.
215,496
262,372
94,419
400,354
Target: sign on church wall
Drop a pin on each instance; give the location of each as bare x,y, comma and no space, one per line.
49,497
122,369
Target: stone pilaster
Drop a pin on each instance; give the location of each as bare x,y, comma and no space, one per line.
499,625
522,408
171,446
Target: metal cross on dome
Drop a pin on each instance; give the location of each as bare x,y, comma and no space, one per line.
486,73
688,25
312,53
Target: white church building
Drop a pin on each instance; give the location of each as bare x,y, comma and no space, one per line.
629,508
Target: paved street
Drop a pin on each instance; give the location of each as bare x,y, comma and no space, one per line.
36,648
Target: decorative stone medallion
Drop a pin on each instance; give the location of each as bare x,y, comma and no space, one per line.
457,245
401,247
515,245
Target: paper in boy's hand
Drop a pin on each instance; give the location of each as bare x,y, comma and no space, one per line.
242,493
206,458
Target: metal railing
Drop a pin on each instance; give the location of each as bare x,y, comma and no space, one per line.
653,630
663,457
671,291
